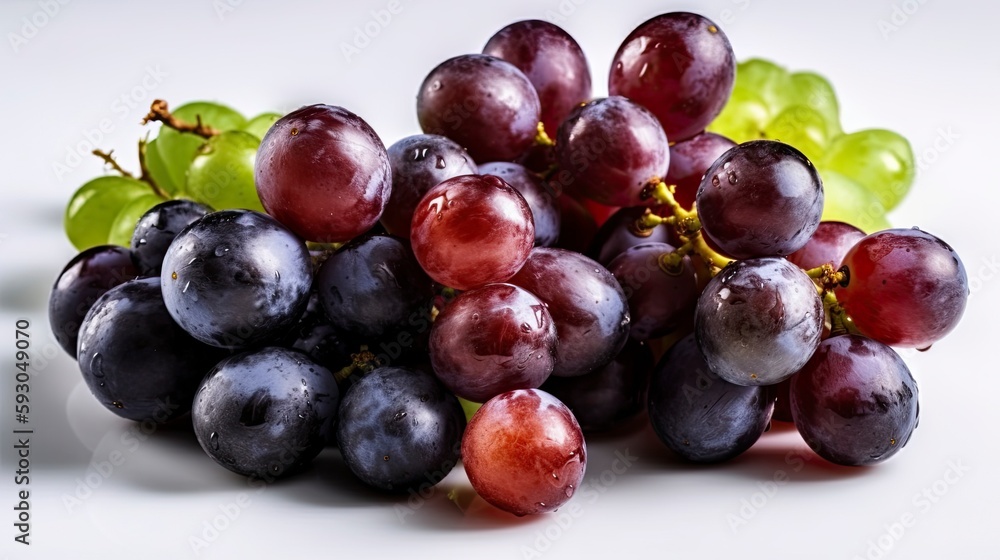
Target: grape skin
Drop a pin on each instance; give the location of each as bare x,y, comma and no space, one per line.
758,321
828,245
615,236
544,211
659,302
689,160
157,228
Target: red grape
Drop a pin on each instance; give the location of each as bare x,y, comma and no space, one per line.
690,159
829,244
544,209
659,301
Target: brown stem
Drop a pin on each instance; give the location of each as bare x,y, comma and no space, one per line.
110,160
159,112
146,177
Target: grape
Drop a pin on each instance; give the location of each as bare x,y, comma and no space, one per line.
87,277
472,230
524,452
744,117
259,125
491,340
544,211
576,225
157,228
222,172
400,430
815,92
802,127
236,278
829,244
485,104
612,148
760,199
159,172
551,60
600,212
848,201
587,305
659,301
418,163
770,82
135,359
782,403
177,149
373,285
881,160
680,66
125,221
905,287
616,236
611,395
92,210
699,415
324,173
758,321
855,402
266,413
689,160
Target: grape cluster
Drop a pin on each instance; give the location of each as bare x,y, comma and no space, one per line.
473,292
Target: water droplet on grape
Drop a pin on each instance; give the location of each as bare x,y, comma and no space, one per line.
221,250
569,491
440,163
97,365
526,327
117,404
399,416
214,440
436,85
715,181
732,178
186,285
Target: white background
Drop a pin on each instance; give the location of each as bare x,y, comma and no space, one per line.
934,79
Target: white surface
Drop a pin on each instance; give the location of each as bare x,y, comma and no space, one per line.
933,79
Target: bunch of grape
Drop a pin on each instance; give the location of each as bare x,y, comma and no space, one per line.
865,173
204,152
384,292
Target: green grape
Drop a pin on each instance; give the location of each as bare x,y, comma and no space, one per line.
803,128
259,125
221,174
177,149
93,208
815,92
769,81
880,160
123,224
743,118
468,407
847,201
158,170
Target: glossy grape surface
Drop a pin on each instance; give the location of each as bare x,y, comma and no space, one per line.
689,160
616,235
483,103
524,452
855,402
324,173
659,301
491,340
829,244
472,230
544,210
157,229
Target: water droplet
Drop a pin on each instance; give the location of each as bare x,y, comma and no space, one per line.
569,491
540,504
423,398
97,365
526,327
555,476
440,163
101,384
724,293
732,178
213,440
277,275
117,404
142,241
436,85
221,250
399,416
715,181
186,285
294,131
475,316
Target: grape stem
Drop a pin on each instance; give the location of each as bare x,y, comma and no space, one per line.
542,138
828,277
686,224
160,112
108,158
364,361
146,177
840,322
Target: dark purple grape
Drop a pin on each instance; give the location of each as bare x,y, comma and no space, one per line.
700,416
324,173
236,278
577,226
782,403
86,278
616,235
905,287
266,413
690,159
419,163
372,286
611,395
828,245
681,67
612,148
158,227
400,430
544,210
760,199
587,306
485,104
136,360
551,59
855,402
659,301
472,230
491,340
758,321
540,158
